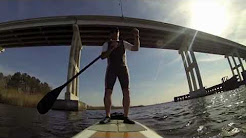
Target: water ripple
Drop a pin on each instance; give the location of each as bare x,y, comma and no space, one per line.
219,115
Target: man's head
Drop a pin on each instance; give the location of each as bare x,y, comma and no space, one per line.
114,33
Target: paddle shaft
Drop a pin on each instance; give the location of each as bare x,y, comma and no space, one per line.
70,80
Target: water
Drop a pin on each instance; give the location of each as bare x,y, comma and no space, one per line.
220,115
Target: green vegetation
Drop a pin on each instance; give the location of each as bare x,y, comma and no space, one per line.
22,89
13,97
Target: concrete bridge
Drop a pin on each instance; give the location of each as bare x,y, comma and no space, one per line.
76,31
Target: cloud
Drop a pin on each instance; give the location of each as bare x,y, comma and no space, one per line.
235,30
158,70
175,61
210,59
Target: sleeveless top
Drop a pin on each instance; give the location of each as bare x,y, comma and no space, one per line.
118,55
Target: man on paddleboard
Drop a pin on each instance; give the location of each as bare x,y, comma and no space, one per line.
114,51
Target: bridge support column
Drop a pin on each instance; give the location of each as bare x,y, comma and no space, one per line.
191,68
71,101
235,66
72,92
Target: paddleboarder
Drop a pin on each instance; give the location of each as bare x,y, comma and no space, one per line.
114,51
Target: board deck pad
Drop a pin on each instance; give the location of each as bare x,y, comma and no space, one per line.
118,135
117,126
117,129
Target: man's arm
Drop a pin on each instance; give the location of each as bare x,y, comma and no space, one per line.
136,45
104,50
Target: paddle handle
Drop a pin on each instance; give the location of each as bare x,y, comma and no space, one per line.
70,80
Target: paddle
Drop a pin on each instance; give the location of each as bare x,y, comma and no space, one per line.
49,99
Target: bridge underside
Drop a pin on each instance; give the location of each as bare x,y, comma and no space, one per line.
94,30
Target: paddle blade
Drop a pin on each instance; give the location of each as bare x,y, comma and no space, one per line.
48,100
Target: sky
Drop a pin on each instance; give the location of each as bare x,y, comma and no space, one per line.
156,75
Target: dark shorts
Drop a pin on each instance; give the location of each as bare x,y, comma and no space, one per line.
112,73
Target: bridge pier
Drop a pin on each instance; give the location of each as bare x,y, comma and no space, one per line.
235,66
71,101
191,67
72,92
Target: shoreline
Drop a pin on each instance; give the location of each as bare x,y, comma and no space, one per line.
113,107
89,108
21,99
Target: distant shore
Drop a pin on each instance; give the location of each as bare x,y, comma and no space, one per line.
13,97
113,107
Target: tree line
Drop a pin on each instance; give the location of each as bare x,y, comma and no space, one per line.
22,82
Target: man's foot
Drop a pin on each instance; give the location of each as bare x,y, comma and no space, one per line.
105,120
128,121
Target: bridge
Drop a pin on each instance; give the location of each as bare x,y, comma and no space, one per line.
77,31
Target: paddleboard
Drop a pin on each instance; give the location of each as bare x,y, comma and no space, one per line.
117,129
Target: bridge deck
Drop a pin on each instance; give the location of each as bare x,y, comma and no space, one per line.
94,30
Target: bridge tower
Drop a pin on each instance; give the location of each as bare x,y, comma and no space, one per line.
71,101
72,92
191,67
235,66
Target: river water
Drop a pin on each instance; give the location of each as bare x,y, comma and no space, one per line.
219,115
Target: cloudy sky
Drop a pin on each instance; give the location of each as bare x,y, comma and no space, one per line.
156,75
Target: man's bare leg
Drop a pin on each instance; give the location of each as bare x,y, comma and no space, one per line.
108,101
107,105
126,106
126,101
